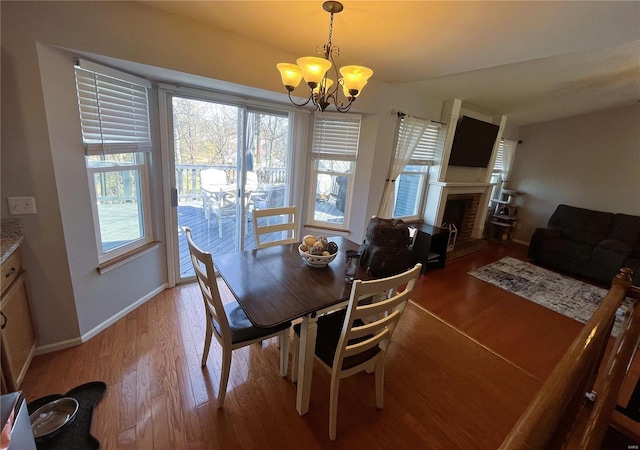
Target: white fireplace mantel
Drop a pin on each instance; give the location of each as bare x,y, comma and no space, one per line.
437,199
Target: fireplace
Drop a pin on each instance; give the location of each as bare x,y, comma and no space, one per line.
466,213
461,210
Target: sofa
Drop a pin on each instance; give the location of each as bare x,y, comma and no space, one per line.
590,244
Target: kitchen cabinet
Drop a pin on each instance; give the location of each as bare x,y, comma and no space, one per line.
18,336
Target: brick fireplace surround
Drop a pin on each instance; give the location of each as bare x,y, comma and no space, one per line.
461,210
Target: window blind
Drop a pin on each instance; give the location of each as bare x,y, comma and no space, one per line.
425,152
336,136
114,110
498,164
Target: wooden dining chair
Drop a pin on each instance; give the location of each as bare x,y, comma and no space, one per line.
357,338
288,225
228,323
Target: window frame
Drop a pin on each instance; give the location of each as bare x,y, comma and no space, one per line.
424,155
343,149
138,147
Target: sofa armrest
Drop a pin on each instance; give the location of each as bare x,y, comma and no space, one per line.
549,233
615,246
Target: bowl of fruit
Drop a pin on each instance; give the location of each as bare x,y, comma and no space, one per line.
317,251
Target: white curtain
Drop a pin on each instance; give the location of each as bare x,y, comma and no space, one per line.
508,155
411,129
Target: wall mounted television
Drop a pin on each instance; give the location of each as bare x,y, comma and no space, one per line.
473,143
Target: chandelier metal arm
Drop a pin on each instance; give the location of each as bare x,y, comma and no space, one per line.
300,104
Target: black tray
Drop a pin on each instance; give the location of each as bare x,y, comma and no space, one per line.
77,435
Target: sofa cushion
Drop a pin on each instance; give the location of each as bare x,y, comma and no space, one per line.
615,246
581,225
549,233
626,228
567,248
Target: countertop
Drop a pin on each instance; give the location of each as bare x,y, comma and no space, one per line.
11,236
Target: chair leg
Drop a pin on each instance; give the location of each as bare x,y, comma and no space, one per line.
295,348
224,375
379,382
333,406
207,342
283,340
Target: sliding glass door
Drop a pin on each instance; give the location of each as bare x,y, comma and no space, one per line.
228,159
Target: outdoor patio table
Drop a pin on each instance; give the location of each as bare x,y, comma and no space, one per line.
274,285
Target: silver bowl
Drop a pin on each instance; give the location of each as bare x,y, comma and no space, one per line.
53,416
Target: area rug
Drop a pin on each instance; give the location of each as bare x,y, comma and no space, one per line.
565,295
77,434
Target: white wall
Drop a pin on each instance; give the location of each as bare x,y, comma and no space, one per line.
42,153
590,161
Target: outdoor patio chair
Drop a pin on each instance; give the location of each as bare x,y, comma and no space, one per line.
272,198
228,323
221,204
356,339
211,181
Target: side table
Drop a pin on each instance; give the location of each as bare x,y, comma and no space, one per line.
430,246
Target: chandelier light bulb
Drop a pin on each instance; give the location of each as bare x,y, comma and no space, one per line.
314,69
291,75
324,84
355,77
346,92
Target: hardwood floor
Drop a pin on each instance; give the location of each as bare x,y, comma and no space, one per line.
443,390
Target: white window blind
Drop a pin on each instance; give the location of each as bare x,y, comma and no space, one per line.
506,149
336,136
114,110
425,152
498,164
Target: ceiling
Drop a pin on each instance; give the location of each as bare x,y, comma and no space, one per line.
533,61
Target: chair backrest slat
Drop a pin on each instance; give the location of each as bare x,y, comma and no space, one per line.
372,321
288,225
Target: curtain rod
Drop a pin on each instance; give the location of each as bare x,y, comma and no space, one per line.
401,115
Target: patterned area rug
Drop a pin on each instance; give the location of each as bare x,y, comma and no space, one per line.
567,296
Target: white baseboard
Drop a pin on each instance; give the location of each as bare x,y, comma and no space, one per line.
518,241
101,327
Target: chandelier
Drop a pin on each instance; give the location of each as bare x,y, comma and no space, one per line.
314,69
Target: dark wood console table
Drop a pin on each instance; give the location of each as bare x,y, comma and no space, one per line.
430,246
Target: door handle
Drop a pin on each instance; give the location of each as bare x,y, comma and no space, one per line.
174,197
4,321
11,272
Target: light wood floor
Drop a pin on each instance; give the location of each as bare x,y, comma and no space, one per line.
443,390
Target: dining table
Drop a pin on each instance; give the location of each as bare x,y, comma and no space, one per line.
274,285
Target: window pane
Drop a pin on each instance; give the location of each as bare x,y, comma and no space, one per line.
113,160
119,208
331,194
332,185
327,165
408,191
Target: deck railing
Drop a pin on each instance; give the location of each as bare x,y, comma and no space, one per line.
119,187
188,177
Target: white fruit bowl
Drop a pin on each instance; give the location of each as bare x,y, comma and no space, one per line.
316,260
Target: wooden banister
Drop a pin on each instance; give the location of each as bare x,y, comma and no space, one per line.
561,415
